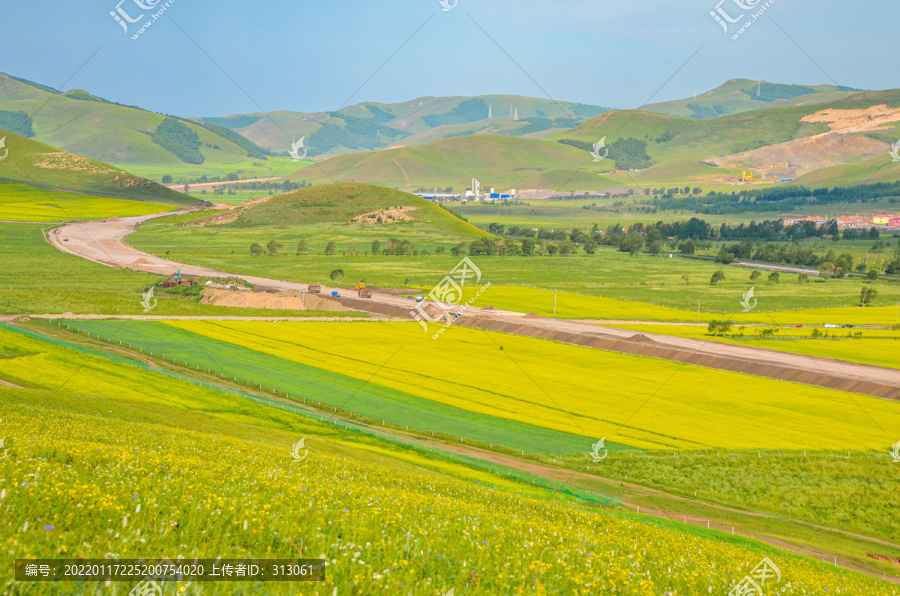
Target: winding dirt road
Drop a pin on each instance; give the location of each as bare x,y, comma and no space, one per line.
103,242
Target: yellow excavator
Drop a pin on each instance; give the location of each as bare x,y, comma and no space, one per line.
360,286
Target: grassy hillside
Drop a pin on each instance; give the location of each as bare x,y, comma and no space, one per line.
345,214
498,161
35,164
744,95
82,123
371,126
117,441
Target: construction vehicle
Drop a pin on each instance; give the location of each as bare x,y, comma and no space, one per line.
314,289
364,293
360,286
420,298
335,294
177,278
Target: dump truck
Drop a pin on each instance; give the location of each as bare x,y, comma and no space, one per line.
335,294
364,293
314,289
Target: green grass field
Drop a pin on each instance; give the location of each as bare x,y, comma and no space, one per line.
122,454
652,281
27,203
249,168
38,279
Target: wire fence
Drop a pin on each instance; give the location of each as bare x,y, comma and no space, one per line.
542,482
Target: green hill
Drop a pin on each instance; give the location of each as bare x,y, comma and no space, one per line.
343,204
372,126
744,95
40,166
82,123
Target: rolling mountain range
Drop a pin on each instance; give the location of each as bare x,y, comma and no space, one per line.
840,141
373,126
813,134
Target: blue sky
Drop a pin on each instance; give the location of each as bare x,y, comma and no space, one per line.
218,57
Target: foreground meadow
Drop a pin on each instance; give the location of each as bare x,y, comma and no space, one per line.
632,401
165,469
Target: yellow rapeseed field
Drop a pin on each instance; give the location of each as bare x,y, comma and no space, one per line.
629,400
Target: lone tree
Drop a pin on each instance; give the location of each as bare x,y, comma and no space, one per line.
774,277
717,327
755,275
803,278
825,271
376,247
336,274
717,278
256,249
273,247
329,248
301,247
867,295
872,275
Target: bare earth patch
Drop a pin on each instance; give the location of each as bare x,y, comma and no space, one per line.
801,156
391,215
854,121
836,147
274,301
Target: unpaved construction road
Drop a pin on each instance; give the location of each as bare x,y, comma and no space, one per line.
103,242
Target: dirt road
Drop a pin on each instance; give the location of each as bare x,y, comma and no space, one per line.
103,242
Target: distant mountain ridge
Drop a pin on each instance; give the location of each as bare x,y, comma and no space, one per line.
371,126
744,95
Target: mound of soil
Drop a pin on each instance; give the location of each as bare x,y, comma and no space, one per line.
277,301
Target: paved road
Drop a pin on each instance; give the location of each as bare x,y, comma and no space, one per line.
103,242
